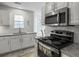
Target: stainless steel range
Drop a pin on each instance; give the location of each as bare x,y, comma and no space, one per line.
51,46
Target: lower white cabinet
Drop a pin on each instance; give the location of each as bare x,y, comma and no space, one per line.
4,45
27,41
33,39
15,43
12,43
22,41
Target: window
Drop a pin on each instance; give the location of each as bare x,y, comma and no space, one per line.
18,21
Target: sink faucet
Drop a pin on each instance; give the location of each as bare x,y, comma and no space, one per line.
20,30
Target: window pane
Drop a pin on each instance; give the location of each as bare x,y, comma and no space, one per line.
21,22
18,21
17,26
18,18
21,26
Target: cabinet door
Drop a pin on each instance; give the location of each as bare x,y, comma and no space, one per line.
4,17
74,13
32,39
15,43
4,45
60,5
27,41
49,7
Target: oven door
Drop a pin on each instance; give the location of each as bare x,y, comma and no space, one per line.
47,51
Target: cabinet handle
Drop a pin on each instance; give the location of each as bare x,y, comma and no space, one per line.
9,43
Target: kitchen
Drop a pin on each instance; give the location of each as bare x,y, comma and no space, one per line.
51,11
24,26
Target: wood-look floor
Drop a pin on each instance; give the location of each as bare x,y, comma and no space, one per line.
30,52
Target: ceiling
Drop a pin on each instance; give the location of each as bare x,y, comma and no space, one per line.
34,6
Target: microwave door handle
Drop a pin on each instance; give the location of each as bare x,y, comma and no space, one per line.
58,20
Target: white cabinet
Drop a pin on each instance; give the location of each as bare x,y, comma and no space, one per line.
4,45
60,5
49,7
74,13
15,43
27,41
53,6
11,43
33,39
73,10
4,17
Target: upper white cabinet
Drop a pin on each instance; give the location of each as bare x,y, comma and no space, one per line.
60,5
4,17
49,7
74,13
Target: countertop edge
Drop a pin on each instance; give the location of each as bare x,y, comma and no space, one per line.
5,35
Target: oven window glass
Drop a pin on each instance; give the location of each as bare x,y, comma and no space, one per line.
51,19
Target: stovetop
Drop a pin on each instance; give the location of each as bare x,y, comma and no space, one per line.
55,42
58,38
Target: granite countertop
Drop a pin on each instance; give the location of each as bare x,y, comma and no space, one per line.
14,34
72,50
40,37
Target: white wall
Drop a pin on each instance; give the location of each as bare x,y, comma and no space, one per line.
28,17
37,21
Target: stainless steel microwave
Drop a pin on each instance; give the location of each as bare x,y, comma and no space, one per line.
60,18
